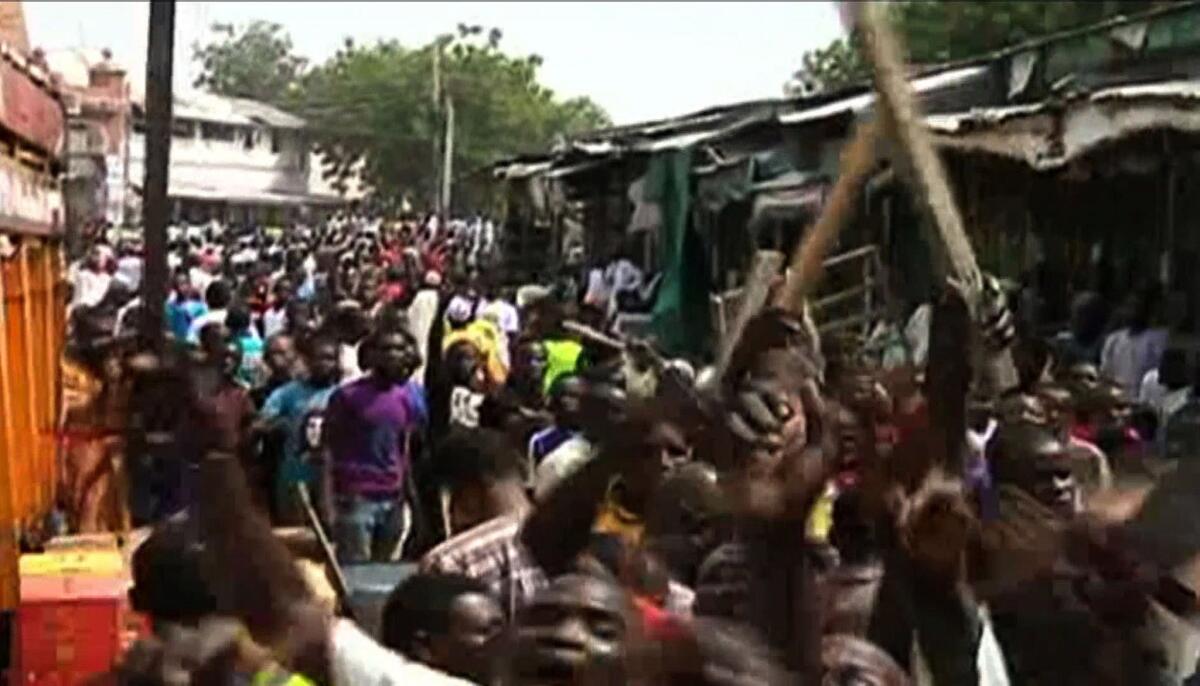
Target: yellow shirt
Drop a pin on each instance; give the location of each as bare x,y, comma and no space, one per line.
614,519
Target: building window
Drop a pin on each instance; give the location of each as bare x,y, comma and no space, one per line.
77,139
276,141
213,131
249,137
183,128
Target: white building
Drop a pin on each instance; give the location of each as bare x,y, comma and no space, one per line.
236,160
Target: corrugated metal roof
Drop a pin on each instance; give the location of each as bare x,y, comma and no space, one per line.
979,117
1183,89
858,103
226,110
267,114
521,170
207,107
1079,126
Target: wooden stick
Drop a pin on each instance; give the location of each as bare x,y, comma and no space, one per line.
337,576
915,153
598,337
807,264
754,295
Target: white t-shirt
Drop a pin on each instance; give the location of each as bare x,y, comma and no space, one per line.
597,292
506,313
274,321
210,317
1164,401
124,326
1127,356
622,276
129,271
989,658
348,360
200,279
421,314
90,286
358,660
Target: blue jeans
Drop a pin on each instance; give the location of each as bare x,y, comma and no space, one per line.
369,530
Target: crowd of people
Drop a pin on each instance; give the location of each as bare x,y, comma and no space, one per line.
582,510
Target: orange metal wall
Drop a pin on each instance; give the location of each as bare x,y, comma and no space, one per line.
31,334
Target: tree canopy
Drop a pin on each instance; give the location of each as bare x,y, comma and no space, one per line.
936,31
372,109
254,61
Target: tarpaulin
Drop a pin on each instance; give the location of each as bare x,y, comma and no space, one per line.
680,316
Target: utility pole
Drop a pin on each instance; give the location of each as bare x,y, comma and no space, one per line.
159,74
437,120
447,161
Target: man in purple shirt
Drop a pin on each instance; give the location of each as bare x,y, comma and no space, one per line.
370,428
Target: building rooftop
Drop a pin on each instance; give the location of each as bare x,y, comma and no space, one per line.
206,106
73,64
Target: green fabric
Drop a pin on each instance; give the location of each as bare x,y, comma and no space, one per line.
562,357
679,320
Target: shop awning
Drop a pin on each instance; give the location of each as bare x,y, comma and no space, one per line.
858,103
790,196
1048,136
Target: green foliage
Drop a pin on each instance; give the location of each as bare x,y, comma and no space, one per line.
372,109
939,31
834,66
254,61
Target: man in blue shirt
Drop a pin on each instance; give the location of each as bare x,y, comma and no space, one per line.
287,408
183,306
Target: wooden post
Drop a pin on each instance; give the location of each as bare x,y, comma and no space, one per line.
159,72
1169,275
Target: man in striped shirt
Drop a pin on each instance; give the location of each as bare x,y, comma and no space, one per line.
487,507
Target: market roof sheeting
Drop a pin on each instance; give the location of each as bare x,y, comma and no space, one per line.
247,196
858,103
267,114
521,170
220,109
978,117
1050,135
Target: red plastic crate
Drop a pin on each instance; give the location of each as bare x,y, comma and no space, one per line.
68,626
66,642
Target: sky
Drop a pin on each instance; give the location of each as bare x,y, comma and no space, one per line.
638,60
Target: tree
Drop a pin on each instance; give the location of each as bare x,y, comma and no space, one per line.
253,61
834,66
371,109
937,31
